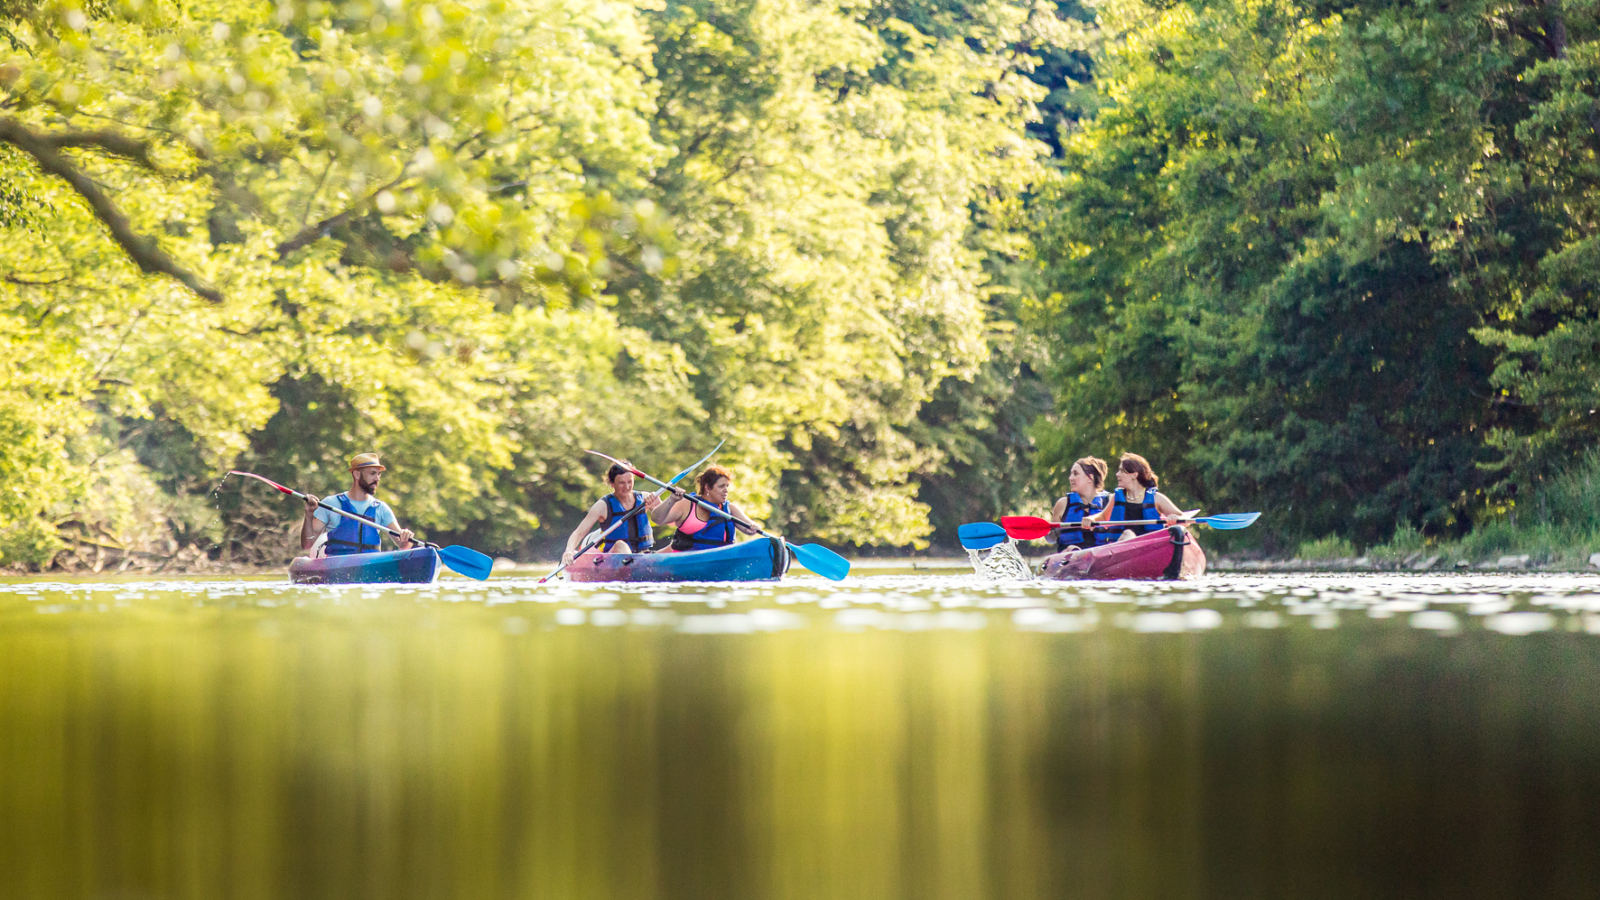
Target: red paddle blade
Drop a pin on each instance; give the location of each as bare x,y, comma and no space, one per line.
267,481
1026,528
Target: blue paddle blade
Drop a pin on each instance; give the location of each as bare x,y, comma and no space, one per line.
821,560
1230,521
980,535
467,562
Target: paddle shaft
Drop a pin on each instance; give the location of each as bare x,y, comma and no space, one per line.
323,504
1094,525
620,522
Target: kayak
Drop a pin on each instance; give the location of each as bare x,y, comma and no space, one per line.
419,565
1170,553
762,559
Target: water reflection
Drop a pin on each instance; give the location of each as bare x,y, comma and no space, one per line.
896,737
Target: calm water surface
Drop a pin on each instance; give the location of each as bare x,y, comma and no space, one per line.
897,736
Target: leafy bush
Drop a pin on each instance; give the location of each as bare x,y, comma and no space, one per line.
1405,541
31,542
1330,547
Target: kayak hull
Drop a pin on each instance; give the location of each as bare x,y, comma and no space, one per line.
762,559
1172,553
419,565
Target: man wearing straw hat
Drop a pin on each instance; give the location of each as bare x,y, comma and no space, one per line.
346,535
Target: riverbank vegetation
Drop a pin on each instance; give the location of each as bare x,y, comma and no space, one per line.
1332,261
482,236
1557,527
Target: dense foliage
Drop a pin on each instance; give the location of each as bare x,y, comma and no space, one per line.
1331,260
480,236
1335,261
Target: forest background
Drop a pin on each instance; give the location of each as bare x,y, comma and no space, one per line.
1335,261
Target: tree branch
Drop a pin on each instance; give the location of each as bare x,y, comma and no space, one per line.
144,251
109,141
313,232
12,279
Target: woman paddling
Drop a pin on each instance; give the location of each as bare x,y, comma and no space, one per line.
1136,500
697,528
622,501
1084,498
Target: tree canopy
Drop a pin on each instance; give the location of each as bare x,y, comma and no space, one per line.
480,236
1328,260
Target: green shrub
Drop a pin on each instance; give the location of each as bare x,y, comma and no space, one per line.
31,542
1570,499
1406,541
1331,547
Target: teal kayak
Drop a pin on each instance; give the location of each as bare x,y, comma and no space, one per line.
762,559
419,565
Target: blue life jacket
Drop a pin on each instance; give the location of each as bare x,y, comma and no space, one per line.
1123,511
350,536
637,532
717,533
1077,511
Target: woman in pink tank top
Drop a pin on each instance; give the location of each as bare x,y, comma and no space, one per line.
699,529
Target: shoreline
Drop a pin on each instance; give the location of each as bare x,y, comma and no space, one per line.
1417,563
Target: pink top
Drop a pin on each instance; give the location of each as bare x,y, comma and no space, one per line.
692,525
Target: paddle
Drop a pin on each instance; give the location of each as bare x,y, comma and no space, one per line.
464,560
815,557
980,535
593,538
1027,528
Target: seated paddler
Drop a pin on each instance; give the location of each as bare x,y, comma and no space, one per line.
699,528
346,535
624,505
1136,500
1084,498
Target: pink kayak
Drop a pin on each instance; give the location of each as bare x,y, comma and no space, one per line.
1170,553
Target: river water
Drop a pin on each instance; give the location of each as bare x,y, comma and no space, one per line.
918,735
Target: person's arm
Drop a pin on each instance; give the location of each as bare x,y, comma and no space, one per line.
1104,515
590,519
383,514
1056,512
1170,513
311,526
742,521
673,512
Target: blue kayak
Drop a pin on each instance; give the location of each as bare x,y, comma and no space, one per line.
419,565
762,559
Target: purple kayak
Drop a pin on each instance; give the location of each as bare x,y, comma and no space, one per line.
1171,553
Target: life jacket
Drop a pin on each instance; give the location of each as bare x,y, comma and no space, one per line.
716,533
637,532
1077,511
1123,511
350,536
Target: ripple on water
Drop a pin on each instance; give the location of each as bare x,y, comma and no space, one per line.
1505,605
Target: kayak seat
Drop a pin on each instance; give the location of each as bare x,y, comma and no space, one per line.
1179,538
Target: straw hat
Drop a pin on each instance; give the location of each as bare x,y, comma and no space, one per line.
364,460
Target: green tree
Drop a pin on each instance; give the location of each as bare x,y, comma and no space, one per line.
835,174
371,199
1270,250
